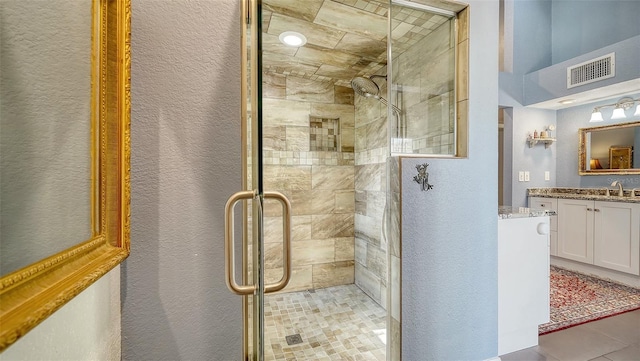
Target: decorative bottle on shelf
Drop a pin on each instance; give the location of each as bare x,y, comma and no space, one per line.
535,134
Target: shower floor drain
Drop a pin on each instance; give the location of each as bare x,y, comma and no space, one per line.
293,339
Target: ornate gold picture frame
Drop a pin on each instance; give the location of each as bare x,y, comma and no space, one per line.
620,157
615,167
29,295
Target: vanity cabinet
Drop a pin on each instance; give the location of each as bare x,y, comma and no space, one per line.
616,234
575,230
605,234
552,205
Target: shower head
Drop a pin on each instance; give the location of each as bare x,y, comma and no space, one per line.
365,87
369,89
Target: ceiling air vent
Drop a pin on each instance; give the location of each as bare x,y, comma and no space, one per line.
596,69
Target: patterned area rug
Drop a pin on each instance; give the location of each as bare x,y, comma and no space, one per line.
577,299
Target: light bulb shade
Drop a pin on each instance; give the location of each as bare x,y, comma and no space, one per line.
637,113
618,113
596,116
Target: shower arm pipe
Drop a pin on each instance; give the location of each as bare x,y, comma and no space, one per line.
385,102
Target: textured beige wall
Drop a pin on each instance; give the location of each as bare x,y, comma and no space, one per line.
185,163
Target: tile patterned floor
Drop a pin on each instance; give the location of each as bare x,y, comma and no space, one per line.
336,323
616,338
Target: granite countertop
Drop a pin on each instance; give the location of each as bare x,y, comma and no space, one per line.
506,212
595,194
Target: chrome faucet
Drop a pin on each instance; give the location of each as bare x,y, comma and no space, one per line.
620,191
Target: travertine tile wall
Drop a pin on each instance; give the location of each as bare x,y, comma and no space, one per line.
395,257
319,184
371,150
335,196
425,75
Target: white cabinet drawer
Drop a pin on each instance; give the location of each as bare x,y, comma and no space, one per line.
546,203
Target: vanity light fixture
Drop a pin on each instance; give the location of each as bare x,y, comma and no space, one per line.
618,113
619,109
596,116
292,38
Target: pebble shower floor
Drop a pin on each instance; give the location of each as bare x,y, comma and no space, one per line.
335,323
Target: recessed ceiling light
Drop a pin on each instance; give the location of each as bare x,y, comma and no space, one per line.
567,101
292,38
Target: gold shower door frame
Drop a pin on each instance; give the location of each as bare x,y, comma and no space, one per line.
253,288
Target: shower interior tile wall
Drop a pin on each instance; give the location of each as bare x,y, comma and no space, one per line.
337,200
319,183
338,186
426,74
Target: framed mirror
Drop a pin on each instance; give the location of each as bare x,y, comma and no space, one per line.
65,150
609,149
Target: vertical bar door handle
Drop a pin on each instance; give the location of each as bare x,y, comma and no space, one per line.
230,263
286,246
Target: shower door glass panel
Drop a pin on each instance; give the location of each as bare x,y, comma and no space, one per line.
312,122
423,61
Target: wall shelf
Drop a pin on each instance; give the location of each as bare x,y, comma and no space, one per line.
546,141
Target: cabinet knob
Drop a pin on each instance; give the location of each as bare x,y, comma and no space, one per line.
589,209
597,210
543,228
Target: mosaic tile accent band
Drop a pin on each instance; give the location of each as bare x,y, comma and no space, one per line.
577,299
275,157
